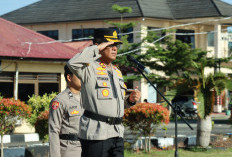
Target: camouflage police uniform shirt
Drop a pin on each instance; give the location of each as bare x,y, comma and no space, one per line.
102,93
64,117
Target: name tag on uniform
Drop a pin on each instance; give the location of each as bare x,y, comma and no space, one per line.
72,107
103,78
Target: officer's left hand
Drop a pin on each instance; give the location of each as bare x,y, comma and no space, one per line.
135,95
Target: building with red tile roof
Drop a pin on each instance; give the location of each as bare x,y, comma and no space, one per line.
19,42
79,45
30,63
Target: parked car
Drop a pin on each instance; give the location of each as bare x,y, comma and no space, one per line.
187,105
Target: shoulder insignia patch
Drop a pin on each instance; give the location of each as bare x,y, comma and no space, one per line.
55,105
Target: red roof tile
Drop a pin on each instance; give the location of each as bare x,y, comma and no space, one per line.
79,45
15,39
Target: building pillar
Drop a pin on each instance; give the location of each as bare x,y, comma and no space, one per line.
217,41
217,54
16,82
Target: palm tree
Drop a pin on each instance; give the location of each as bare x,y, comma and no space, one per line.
207,86
204,86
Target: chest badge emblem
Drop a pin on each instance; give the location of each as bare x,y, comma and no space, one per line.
105,92
104,84
74,112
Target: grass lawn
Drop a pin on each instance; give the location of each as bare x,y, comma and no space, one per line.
183,153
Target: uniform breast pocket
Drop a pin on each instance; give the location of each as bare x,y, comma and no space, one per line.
123,89
104,90
74,116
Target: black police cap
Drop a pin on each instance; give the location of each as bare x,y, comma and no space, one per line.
106,35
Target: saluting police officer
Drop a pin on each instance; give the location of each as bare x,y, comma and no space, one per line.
103,95
64,117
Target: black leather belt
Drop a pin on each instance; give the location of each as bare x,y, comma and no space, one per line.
71,137
109,120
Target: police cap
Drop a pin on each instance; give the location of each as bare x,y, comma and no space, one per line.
106,35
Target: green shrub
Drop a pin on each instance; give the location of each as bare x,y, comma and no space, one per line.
39,104
41,125
127,146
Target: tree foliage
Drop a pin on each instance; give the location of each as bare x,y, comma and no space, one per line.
183,70
177,65
122,62
121,9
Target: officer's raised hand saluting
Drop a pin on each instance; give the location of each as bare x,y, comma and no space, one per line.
104,96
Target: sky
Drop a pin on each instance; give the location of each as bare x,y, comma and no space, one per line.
10,5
